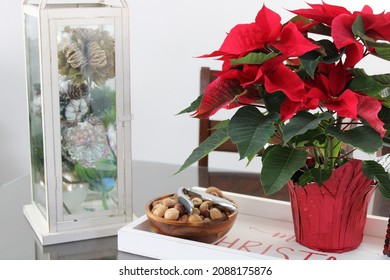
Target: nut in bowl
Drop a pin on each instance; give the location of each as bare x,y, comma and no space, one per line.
192,214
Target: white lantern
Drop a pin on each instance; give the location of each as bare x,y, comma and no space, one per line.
78,89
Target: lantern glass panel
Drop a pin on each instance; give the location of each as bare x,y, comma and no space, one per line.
87,102
35,113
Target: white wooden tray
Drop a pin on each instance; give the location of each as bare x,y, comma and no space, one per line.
263,230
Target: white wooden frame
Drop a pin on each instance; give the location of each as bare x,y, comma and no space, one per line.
57,228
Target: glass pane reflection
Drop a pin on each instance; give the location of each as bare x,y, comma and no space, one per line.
87,98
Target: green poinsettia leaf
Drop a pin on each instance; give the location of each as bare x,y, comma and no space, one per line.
382,78
221,124
367,84
320,175
386,139
253,58
306,178
386,104
250,130
321,29
364,138
332,54
382,49
383,52
273,101
216,139
384,116
311,136
357,26
371,43
301,123
193,106
250,158
309,62
374,170
279,165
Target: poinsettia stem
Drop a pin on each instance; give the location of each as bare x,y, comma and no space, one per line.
280,134
251,104
317,156
348,124
328,153
347,154
339,122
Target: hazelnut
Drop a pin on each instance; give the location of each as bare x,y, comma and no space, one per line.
171,214
154,203
207,220
196,211
159,210
216,214
205,205
205,213
184,218
194,218
180,208
214,191
197,201
170,202
204,209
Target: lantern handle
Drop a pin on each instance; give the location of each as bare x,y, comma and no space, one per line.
124,3
42,4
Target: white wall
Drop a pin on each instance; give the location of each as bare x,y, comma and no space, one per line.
166,35
13,108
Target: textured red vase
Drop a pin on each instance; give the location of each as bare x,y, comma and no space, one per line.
331,217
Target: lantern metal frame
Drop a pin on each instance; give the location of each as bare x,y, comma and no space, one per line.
51,223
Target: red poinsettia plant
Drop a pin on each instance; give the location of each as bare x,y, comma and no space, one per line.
302,98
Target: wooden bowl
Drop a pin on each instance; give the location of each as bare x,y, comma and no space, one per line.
207,232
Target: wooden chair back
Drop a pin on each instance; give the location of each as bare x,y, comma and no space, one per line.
206,77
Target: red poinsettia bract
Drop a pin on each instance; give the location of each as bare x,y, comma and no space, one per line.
265,35
341,21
